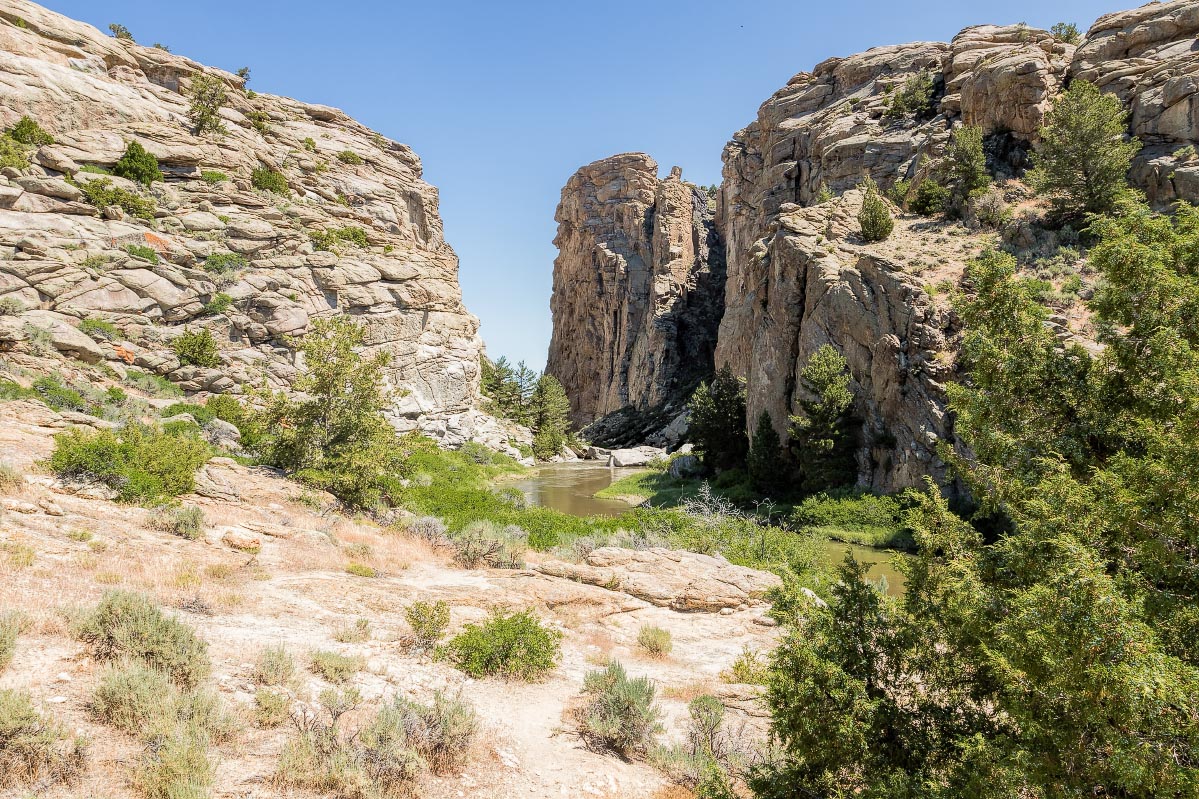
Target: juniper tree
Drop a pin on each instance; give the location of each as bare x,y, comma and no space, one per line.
717,421
821,433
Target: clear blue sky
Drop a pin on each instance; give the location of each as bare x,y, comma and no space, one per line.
503,101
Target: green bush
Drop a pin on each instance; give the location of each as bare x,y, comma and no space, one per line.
510,645
143,252
329,239
310,144
99,329
428,621
898,193
219,303
619,713
208,96
855,517
197,348
11,306
718,421
213,177
1066,32
29,132
185,521
874,218
349,157
137,165
930,198
270,180
13,153
750,668
361,570
102,194
270,707
334,667
120,31
260,121
275,666
130,625
141,463
60,397
34,750
654,640
914,98
224,263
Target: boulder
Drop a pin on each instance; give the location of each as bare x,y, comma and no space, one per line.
220,433
686,466
684,581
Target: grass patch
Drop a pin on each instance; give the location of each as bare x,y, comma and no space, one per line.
654,485
354,633
334,667
655,641
361,570
185,521
855,518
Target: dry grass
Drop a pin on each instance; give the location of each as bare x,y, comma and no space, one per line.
689,690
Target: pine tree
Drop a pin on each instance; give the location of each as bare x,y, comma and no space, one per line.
138,165
1082,162
549,411
335,435
874,218
208,97
768,469
966,165
821,435
717,421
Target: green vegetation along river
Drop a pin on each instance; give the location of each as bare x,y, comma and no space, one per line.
571,488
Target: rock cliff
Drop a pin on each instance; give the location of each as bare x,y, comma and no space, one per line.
638,287
64,259
796,275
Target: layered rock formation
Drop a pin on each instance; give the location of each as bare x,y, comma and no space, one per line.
638,287
70,260
798,278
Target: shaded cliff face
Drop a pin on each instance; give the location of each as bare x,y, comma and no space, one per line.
69,260
638,287
797,277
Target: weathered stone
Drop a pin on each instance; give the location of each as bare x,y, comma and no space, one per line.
638,287
668,578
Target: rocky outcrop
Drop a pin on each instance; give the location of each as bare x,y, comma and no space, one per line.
638,287
685,581
797,277
71,260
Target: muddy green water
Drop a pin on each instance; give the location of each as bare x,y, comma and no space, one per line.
571,488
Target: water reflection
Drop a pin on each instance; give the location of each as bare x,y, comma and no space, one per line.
571,488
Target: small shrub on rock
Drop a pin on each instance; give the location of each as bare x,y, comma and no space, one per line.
271,180
212,177
143,464
197,348
125,624
138,165
509,645
361,570
913,99
29,132
102,194
99,329
428,621
654,640
143,252
930,198
874,218
349,157
619,714
35,750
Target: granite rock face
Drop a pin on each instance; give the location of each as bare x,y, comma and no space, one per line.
638,287
70,260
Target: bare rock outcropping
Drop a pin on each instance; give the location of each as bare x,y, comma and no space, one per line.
63,259
798,277
638,287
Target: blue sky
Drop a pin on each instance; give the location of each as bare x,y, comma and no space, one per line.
504,101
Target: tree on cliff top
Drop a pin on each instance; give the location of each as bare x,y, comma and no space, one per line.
1082,162
717,425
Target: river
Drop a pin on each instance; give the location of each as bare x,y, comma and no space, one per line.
571,488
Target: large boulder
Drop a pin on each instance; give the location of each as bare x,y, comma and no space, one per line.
685,581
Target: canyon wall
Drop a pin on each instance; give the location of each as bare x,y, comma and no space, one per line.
63,259
638,287
797,276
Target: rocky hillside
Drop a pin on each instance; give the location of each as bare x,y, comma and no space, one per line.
350,227
638,287
799,277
